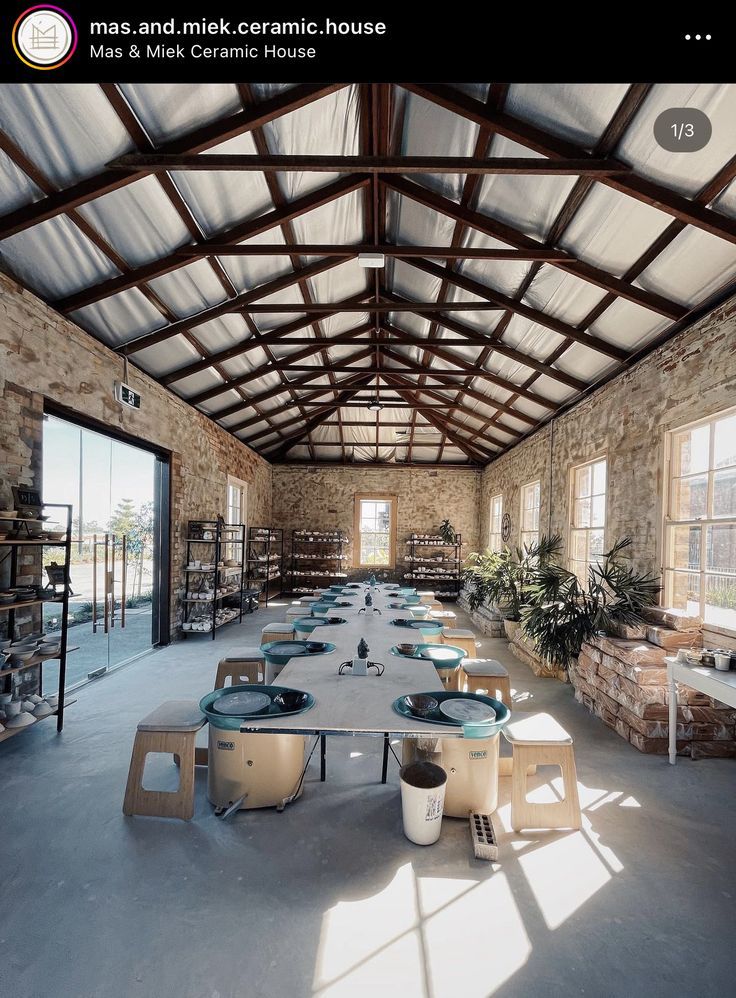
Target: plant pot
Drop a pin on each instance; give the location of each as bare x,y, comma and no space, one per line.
511,627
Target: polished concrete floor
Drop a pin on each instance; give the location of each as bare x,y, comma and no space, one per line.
329,899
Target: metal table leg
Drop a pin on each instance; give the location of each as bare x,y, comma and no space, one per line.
384,766
322,755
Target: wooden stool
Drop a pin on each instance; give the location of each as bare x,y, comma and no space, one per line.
426,596
486,674
305,601
538,740
247,667
460,639
277,632
448,617
173,728
450,677
296,611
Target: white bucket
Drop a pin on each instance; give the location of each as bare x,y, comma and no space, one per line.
422,805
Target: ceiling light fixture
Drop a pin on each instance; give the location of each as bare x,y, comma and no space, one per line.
373,261
375,405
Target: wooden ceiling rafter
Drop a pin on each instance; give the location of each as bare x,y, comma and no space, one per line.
60,202
533,137
348,251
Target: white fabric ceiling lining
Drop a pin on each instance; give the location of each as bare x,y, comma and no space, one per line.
577,113
528,203
16,188
694,266
340,322
195,383
337,221
245,363
138,220
51,124
429,127
584,363
189,290
532,338
169,111
55,258
345,281
684,172
725,202
247,272
611,230
265,321
554,390
221,199
413,284
563,295
479,322
628,325
123,317
505,276
329,126
409,222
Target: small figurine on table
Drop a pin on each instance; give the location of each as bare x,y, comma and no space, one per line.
363,648
369,605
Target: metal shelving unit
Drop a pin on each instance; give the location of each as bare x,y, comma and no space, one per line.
441,569
9,549
266,561
217,540
316,555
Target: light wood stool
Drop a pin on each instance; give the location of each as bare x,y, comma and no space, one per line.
296,611
539,740
450,677
426,596
486,674
278,632
436,605
248,667
171,728
460,638
448,617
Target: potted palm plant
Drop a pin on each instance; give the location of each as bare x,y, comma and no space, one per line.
562,612
501,578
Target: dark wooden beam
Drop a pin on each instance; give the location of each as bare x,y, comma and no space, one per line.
274,337
454,306
641,188
282,389
468,165
244,230
402,336
527,311
388,249
507,234
477,396
465,368
196,141
271,367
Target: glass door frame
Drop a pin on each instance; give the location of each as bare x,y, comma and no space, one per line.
161,606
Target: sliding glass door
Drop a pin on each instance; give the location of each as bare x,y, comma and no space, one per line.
116,490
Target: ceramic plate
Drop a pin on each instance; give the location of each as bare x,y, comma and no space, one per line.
441,653
248,702
467,710
286,647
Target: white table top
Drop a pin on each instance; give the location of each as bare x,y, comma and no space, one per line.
720,685
361,704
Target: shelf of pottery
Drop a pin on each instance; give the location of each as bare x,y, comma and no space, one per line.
317,555
26,586
214,573
431,558
266,561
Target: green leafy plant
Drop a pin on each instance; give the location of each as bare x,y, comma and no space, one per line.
447,532
562,612
501,578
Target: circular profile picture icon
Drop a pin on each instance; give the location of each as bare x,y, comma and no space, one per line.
44,37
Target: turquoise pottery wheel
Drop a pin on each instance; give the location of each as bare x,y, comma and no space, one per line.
412,599
280,652
232,722
485,729
310,624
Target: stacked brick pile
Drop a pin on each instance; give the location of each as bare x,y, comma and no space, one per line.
485,619
523,648
623,680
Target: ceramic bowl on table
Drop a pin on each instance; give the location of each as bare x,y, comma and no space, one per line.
12,708
291,699
419,611
406,648
412,599
421,704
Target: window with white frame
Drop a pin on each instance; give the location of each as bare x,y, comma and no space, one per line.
375,531
530,500
588,485
700,521
237,499
495,541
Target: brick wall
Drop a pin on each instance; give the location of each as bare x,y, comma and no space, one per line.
45,357
322,498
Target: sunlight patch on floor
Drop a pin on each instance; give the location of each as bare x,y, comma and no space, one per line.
355,931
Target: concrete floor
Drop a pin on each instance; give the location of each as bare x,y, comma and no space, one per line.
329,899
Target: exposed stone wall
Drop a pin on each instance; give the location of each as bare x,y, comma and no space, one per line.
689,378
45,357
322,498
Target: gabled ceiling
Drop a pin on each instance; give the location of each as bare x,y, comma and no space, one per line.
537,239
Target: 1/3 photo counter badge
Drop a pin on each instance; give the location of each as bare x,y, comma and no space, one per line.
44,37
